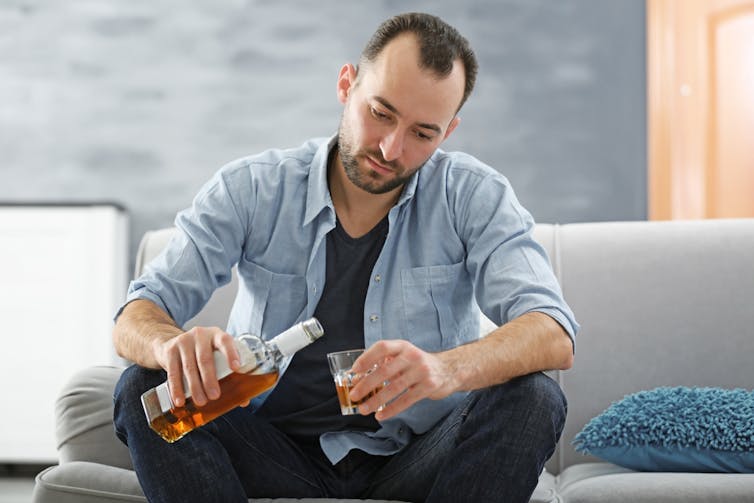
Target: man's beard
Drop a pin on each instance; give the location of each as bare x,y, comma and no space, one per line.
368,181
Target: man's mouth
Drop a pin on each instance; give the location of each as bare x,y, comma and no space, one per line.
378,167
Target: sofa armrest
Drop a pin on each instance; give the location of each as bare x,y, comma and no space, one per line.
84,419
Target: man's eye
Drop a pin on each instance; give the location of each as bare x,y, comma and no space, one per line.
423,136
376,113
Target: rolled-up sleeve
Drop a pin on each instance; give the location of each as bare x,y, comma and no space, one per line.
200,256
511,271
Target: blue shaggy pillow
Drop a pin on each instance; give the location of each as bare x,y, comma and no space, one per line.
675,430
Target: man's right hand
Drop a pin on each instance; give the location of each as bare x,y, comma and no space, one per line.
190,354
148,336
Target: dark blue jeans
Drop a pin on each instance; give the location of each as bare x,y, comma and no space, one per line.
491,448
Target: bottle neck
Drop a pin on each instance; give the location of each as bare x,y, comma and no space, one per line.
256,353
297,337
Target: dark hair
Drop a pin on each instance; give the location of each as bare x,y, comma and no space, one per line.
440,45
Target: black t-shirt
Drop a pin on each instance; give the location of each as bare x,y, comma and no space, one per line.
304,404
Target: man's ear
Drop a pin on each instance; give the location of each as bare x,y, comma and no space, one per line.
456,120
346,80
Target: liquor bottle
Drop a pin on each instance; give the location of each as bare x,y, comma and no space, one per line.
259,371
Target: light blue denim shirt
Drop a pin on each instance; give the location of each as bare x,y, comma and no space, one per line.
457,238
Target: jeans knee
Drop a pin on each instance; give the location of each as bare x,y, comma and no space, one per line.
547,394
536,393
128,412
134,381
520,421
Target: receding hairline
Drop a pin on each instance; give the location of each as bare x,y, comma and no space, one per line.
367,61
440,46
457,62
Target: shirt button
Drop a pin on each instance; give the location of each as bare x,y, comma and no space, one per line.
373,318
378,278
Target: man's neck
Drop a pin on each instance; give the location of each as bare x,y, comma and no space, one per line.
358,210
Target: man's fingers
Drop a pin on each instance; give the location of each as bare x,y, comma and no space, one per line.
224,342
389,369
190,363
377,354
403,401
206,362
405,377
175,382
387,393
191,374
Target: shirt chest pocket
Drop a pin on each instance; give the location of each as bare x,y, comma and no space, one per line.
276,300
436,303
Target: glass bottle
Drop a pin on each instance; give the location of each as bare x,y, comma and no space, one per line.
259,371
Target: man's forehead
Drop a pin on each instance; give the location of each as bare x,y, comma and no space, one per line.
397,77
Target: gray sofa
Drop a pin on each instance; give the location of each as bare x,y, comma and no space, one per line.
660,303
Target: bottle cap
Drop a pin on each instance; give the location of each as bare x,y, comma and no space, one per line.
298,336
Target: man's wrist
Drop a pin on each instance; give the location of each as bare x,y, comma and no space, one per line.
455,371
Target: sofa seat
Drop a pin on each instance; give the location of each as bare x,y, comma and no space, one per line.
601,482
87,482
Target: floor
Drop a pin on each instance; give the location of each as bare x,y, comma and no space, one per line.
17,482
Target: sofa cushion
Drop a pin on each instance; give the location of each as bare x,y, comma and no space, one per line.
605,482
675,429
545,491
84,419
83,482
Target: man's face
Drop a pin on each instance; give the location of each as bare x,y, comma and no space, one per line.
396,114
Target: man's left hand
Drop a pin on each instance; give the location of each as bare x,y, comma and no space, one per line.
408,374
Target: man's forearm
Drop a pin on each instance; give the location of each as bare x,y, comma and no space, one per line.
140,325
530,343
403,374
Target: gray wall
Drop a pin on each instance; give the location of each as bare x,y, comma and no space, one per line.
140,101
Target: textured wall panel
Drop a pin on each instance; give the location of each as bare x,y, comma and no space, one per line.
141,101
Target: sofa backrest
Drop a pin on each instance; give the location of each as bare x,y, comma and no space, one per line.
660,304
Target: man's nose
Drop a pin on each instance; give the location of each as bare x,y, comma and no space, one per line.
391,145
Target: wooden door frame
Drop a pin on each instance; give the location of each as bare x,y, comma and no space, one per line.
681,147
659,56
675,176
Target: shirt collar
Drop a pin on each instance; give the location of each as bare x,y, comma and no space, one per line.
410,187
318,193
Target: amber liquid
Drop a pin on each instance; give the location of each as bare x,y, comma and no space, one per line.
235,389
348,406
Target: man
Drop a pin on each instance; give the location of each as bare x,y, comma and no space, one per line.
391,244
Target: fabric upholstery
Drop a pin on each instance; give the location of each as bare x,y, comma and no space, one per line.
607,483
82,482
84,419
661,304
